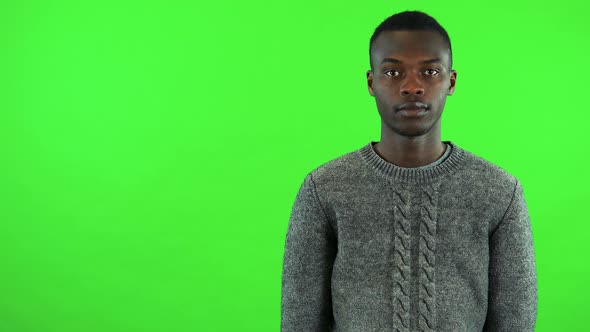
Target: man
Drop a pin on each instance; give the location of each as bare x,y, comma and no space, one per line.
409,233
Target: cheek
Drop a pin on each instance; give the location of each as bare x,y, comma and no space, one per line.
386,88
440,90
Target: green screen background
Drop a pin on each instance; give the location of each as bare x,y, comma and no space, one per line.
152,150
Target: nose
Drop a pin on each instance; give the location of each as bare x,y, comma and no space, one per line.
411,86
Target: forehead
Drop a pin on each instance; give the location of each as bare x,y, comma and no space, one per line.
410,44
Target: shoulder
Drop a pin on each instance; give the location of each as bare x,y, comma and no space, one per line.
339,170
487,173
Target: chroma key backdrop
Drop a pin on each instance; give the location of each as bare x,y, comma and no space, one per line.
152,150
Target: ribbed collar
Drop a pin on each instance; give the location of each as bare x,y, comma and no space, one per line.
414,175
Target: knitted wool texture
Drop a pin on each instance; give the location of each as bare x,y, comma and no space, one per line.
372,246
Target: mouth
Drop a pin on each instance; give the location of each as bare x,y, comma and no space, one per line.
412,113
414,109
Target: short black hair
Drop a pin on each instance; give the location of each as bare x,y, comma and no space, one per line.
410,20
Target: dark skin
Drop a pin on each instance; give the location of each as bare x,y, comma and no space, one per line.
419,72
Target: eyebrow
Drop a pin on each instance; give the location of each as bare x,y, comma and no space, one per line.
393,60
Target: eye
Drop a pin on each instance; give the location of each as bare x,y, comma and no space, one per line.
432,72
395,72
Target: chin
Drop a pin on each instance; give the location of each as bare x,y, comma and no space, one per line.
412,131
413,134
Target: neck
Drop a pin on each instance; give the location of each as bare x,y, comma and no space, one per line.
408,152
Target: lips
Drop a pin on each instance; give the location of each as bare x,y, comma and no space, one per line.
412,106
413,109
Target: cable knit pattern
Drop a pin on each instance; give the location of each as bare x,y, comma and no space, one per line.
426,258
401,258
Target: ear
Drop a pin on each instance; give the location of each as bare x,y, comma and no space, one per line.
370,82
453,79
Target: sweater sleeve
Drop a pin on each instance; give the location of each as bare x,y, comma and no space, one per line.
512,297
310,249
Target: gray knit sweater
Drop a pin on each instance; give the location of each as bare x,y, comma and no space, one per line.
372,246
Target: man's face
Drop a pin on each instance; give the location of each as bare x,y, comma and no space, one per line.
411,80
